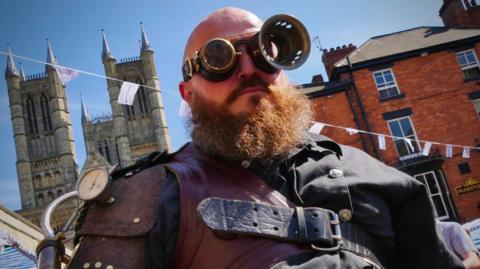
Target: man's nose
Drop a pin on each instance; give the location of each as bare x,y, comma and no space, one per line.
246,66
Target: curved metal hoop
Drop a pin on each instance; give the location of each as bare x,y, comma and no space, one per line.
45,224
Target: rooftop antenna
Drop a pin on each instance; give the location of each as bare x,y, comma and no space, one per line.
316,40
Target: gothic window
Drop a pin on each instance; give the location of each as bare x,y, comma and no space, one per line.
46,118
40,199
50,196
142,98
130,111
100,147
57,177
32,117
37,182
49,179
107,151
104,149
59,193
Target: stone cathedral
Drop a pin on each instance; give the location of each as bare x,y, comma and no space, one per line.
46,158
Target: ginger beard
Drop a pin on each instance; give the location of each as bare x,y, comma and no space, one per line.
277,126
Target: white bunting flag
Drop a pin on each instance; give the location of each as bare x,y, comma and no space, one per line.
466,152
66,74
127,93
409,143
426,148
381,142
351,131
316,128
184,110
448,151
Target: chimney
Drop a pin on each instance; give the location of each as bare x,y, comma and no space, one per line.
317,78
330,57
460,13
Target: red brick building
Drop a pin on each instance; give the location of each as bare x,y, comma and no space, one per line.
422,84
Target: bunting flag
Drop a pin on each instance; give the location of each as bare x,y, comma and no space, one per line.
184,110
381,142
351,131
466,152
426,148
409,143
448,151
66,74
127,93
316,128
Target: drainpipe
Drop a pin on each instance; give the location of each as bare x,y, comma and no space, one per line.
362,109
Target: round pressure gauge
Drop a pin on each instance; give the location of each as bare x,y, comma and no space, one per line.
93,185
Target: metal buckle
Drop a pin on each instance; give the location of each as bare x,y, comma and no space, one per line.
336,233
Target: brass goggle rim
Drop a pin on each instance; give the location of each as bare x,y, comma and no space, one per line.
193,64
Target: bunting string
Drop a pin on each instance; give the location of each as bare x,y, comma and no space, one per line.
129,89
317,127
56,66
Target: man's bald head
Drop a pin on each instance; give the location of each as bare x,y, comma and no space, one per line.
224,22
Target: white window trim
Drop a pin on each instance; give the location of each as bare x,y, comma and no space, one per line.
441,194
476,101
413,154
386,87
468,66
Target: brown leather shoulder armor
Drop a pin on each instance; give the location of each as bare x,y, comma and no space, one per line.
114,233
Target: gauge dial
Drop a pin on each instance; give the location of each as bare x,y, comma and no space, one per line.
91,185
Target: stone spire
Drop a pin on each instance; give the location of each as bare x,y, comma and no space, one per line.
85,116
106,53
22,73
11,68
50,57
145,44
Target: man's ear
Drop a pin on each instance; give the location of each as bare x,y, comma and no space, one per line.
185,89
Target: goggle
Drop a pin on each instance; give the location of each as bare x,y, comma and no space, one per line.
281,43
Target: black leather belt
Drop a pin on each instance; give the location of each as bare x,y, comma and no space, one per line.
318,226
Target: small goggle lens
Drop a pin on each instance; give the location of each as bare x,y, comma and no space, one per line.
218,55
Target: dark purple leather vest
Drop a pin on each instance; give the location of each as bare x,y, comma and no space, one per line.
199,177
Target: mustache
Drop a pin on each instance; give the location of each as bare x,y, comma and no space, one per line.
252,82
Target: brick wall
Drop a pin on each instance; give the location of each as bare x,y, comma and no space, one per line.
437,94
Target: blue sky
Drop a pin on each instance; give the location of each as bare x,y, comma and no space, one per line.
73,28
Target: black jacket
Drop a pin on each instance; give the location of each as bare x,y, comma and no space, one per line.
390,205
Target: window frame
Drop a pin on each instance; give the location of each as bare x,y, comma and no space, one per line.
468,66
476,106
411,154
385,87
443,195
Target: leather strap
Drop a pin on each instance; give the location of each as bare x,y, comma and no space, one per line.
317,226
304,225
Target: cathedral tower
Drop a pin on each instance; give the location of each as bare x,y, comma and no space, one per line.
131,132
46,157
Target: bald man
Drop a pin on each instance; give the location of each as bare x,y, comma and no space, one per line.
253,189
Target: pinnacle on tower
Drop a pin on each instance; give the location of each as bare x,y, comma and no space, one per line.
22,73
106,53
85,116
145,44
11,68
50,57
